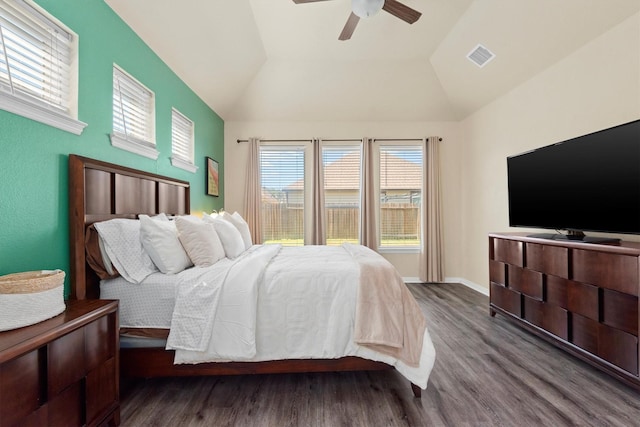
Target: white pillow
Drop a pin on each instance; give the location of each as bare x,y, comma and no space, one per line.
242,226
200,240
229,235
121,238
160,239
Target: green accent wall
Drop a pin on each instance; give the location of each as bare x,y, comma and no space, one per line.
34,226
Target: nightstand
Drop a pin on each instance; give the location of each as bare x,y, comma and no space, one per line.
63,371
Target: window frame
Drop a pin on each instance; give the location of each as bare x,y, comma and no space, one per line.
20,102
123,139
303,149
406,249
337,146
185,162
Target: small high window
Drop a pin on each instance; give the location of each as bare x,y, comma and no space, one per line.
182,141
133,115
38,66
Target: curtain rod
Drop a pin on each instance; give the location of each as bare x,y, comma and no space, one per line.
334,140
276,140
401,139
301,140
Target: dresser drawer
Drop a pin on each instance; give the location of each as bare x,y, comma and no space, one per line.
65,361
548,259
508,251
20,381
549,317
506,299
526,281
612,271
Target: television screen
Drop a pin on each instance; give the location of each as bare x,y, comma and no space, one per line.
589,183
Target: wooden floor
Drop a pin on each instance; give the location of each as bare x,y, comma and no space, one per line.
488,372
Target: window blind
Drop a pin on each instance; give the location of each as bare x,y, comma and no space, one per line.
182,136
133,110
282,181
342,193
401,169
35,56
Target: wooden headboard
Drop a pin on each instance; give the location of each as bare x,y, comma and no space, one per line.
99,191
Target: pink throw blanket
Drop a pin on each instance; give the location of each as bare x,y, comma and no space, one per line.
388,318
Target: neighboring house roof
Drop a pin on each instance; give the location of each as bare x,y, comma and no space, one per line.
269,198
344,174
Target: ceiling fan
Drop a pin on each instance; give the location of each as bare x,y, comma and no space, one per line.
367,8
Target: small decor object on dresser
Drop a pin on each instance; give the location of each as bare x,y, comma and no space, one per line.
30,297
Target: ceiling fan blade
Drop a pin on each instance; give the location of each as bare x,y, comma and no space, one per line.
401,11
349,27
306,1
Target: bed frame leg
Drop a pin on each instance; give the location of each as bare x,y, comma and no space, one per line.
417,391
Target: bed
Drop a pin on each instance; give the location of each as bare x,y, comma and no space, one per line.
99,192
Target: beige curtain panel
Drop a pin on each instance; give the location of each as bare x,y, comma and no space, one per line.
368,214
253,192
318,232
431,254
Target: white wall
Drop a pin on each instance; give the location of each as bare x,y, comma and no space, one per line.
236,160
596,87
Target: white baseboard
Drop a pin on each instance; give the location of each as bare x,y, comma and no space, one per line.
469,284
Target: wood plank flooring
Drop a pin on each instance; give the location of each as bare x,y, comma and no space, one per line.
488,372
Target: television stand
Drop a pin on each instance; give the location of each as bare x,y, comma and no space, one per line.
580,297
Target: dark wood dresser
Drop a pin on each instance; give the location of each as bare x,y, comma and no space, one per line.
63,371
582,297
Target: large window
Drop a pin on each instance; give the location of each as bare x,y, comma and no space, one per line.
38,66
342,193
182,141
400,196
282,177
133,115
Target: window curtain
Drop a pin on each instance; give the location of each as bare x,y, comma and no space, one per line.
253,192
368,224
318,222
432,250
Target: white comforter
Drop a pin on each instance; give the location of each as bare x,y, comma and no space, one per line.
277,303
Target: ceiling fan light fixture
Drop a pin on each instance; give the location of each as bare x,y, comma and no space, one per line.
366,8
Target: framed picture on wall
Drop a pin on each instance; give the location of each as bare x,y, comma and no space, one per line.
212,178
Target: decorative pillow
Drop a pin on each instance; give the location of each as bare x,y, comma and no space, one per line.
160,239
200,240
97,258
122,244
229,236
242,226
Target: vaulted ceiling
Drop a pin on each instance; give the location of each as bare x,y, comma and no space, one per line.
273,60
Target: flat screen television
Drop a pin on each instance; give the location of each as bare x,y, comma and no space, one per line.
588,183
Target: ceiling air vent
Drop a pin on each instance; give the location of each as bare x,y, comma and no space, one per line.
480,55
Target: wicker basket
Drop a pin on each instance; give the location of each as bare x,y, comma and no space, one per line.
30,297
